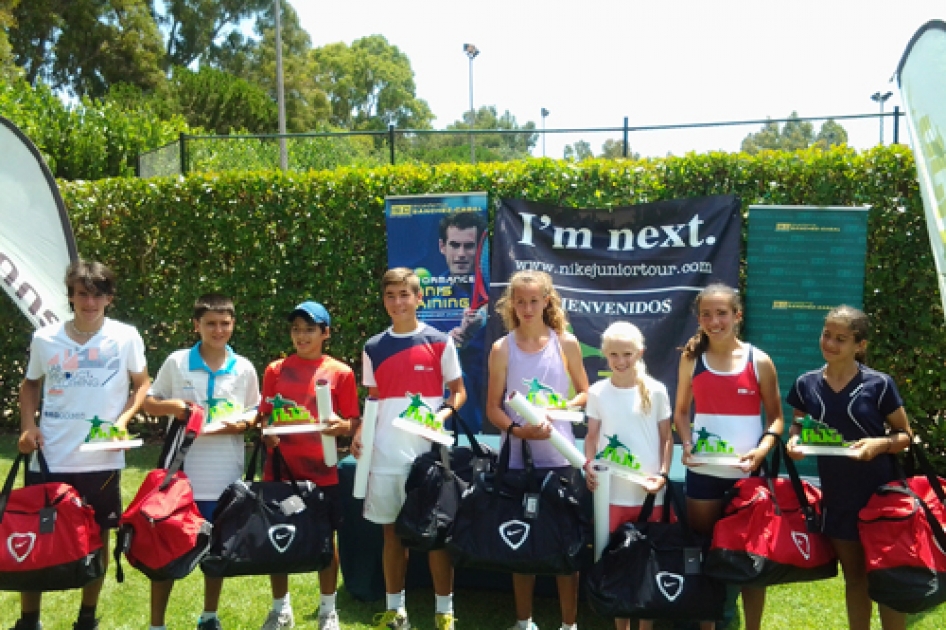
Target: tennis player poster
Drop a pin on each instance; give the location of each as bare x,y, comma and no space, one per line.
643,264
443,239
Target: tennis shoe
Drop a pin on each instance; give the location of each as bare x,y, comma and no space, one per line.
444,621
276,620
22,625
531,626
209,624
86,624
392,620
329,621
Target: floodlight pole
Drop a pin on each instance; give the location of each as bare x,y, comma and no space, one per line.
877,97
280,91
471,52
545,114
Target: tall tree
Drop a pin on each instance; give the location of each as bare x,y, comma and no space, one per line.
614,149
307,106
198,29
370,85
795,134
84,46
831,134
579,151
8,68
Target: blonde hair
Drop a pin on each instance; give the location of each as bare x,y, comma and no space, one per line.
699,342
400,275
626,331
553,315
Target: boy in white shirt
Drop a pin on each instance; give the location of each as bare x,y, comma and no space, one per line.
211,375
88,369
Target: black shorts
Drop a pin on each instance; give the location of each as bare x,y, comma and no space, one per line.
707,487
840,523
101,489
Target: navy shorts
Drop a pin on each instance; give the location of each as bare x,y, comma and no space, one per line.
206,509
333,497
707,487
840,523
100,489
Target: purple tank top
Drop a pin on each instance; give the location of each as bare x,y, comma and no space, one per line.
548,366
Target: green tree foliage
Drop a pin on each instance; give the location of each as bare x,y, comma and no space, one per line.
794,135
370,85
220,103
579,151
90,139
7,67
85,46
614,149
198,30
490,147
831,135
307,107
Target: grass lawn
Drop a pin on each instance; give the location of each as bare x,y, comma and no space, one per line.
246,601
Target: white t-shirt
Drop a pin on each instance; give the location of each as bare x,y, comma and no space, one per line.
399,365
213,461
625,423
83,382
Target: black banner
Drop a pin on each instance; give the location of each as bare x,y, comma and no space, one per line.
643,264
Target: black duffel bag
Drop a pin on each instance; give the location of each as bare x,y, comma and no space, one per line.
437,480
267,527
520,521
653,570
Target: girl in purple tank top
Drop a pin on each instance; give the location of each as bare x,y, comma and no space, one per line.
536,354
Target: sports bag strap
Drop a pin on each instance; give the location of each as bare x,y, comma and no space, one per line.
474,443
919,453
251,465
280,466
8,484
674,498
812,521
647,508
178,462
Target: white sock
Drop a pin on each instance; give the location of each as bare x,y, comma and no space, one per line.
208,614
279,605
566,626
395,600
524,624
327,604
444,604
157,628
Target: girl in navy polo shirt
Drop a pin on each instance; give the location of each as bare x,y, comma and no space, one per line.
864,406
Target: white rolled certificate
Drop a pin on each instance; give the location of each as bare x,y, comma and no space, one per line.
532,415
323,399
602,508
360,487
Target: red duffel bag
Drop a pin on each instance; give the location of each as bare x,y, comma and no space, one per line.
770,532
49,540
901,528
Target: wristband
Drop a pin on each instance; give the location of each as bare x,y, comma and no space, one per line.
446,405
666,476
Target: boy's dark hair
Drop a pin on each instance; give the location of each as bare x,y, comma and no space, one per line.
94,276
462,221
216,302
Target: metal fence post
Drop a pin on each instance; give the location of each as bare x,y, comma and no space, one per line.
182,140
625,137
896,124
391,141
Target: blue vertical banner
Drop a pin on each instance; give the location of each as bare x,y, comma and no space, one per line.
443,238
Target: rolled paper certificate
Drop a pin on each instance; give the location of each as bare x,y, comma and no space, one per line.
534,416
602,508
323,399
360,487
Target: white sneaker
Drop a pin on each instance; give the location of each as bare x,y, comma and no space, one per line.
329,621
531,626
276,620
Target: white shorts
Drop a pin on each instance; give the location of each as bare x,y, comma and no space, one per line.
385,497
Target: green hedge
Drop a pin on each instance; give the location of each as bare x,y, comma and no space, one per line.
272,239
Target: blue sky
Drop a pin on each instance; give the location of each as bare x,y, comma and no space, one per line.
592,63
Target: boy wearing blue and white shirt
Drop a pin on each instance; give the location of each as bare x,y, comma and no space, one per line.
211,375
